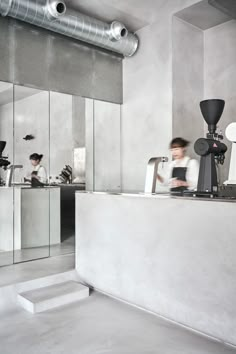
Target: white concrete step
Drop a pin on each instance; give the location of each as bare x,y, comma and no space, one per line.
43,299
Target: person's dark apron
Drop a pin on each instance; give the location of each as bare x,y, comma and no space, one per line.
34,181
179,173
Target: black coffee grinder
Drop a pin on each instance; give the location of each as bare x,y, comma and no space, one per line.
211,149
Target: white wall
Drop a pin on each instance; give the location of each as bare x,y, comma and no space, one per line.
31,116
56,136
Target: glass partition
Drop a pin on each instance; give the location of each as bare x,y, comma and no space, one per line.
6,158
30,174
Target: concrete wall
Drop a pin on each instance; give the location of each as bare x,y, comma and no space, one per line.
188,81
127,247
106,146
103,154
35,57
204,67
220,75
147,108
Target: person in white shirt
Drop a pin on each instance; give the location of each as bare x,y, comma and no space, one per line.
39,173
182,172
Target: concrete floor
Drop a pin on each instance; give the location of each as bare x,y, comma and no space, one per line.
98,325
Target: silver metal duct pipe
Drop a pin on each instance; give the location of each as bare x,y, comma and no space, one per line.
53,15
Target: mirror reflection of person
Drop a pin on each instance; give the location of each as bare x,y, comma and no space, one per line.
182,172
39,173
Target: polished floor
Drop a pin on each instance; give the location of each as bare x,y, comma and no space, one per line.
37,269
67,246
98,325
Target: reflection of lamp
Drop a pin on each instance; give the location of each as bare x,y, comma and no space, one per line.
3,160
28,137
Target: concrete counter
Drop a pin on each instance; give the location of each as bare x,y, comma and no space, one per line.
172,256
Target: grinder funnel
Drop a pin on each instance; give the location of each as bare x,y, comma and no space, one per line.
2,147
212,111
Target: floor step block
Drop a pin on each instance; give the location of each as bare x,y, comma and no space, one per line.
47,298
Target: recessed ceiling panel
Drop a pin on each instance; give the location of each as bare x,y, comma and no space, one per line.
203,15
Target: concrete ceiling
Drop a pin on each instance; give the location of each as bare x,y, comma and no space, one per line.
226,6
203,15
135,14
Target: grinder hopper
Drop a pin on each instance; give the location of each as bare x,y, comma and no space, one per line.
212,111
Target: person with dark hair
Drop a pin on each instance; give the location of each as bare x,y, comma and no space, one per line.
182,173
39,174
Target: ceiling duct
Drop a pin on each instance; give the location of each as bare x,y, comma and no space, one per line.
228,7
53,15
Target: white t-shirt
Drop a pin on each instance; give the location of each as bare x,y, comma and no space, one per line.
42,173
191,175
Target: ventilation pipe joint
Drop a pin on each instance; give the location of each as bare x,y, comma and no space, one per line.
117,31
5,7
55,9
52,15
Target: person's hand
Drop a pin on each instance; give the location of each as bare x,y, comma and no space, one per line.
159,178
34,176
177,183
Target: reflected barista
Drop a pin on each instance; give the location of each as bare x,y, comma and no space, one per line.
39,173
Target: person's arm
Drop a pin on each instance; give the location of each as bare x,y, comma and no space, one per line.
165,177
42,175
192,174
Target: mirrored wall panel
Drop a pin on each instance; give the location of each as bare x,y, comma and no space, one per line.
30,174
6,159
52,146
67,163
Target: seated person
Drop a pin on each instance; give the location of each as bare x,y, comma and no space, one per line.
39,174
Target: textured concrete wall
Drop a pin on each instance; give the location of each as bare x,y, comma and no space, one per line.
35,57
188,81
126,246
147,108
106,146
103,155
220,75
